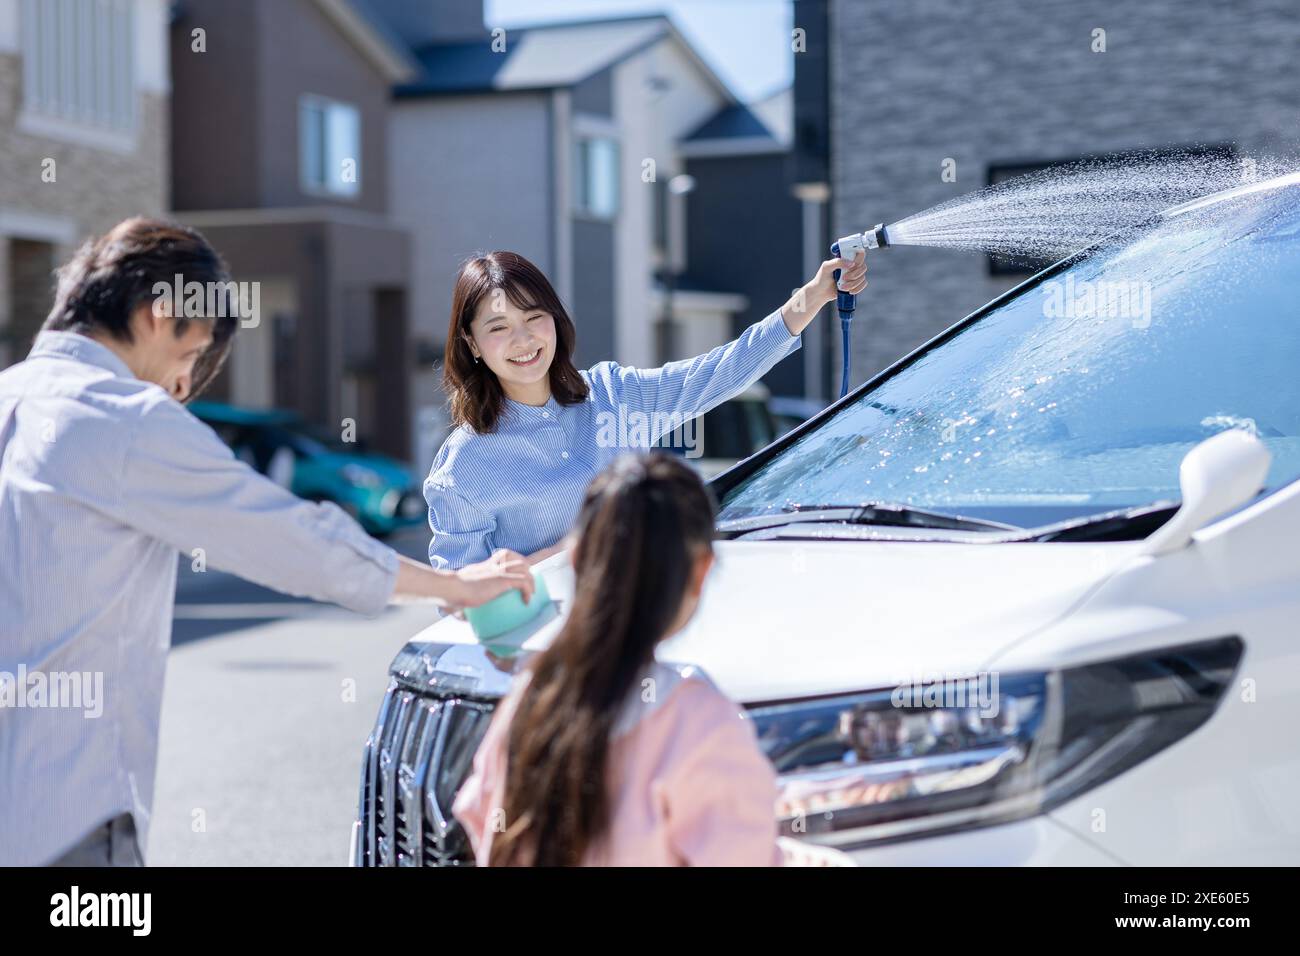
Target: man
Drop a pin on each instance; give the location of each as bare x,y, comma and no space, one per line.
104,476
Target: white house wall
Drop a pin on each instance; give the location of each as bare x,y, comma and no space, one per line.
650,124
467,174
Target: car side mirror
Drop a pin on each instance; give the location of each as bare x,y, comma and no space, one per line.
1219,474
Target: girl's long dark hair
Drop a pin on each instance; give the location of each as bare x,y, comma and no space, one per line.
643,523
475,393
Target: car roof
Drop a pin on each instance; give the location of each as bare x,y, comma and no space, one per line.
233,415
1277,182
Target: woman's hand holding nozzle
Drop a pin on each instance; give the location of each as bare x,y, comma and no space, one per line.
821,289
853,277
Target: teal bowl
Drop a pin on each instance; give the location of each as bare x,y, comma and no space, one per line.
508,611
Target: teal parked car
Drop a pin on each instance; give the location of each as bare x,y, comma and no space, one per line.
380,492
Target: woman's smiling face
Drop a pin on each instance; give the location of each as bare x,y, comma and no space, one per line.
516,344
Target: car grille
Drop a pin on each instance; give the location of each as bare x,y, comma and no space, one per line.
416,759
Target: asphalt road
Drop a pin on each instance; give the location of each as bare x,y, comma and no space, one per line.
267,705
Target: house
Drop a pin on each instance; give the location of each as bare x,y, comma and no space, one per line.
84,113
280,151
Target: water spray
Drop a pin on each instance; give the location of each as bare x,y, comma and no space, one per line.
877,237
1058,210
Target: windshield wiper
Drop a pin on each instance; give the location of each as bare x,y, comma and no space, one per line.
1131,524
871,513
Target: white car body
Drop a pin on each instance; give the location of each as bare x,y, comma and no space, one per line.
817,618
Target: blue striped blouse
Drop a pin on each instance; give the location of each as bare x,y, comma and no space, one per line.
520,487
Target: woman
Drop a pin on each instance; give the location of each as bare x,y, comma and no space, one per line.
599,755
531,431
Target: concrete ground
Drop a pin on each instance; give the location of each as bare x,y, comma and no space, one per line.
267,705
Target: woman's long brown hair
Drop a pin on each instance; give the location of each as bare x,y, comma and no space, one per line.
475,392
643,523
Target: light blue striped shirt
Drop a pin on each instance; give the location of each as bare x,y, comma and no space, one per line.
521,486
103,478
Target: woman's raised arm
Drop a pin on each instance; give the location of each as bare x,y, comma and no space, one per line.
681,390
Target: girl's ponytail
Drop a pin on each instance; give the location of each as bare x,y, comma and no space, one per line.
643,523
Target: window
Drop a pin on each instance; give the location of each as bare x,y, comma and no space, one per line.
330,147
78,60
595,191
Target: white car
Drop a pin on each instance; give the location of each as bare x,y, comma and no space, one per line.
1030,596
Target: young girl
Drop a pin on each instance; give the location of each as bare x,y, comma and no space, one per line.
532,431
599,754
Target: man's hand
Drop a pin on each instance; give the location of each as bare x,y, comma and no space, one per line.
482,582
471,586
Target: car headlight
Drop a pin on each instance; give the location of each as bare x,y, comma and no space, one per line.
926,758
361,476
389,502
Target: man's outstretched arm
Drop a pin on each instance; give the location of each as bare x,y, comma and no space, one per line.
468,587
181,484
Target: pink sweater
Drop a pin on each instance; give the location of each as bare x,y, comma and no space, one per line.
688,783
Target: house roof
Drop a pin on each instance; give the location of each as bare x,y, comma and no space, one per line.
731,122
759,127
372,37
545,56
776,110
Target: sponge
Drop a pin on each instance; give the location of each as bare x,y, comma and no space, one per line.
507,611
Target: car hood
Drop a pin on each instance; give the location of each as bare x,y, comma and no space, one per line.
778,620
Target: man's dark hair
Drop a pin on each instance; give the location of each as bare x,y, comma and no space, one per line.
101,286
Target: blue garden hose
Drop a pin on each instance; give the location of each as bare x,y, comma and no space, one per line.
846,303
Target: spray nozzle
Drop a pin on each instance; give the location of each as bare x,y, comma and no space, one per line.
846,303
877,237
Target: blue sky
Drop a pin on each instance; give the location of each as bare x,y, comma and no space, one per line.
746,41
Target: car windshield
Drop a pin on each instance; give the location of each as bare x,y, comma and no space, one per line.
1082,393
